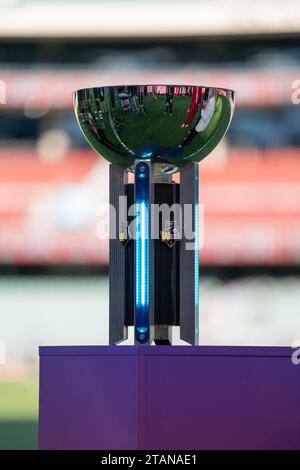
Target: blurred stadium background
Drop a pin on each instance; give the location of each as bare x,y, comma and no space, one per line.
53,268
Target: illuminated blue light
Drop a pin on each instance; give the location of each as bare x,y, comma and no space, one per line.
196,253
146,154
142,247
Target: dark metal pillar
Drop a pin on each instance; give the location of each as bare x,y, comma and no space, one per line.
189,255
117,330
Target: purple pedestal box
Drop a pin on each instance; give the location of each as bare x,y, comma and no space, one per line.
168,397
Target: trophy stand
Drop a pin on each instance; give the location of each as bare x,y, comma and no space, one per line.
168,398
153,280
161,396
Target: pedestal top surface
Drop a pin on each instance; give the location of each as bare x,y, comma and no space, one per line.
264,351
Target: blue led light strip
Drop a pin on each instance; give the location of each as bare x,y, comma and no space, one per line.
196,229
142,248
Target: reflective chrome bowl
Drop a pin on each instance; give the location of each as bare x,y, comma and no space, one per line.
168,124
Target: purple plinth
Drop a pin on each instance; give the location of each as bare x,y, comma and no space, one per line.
168,397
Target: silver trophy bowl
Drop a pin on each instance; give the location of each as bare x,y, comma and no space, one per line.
167,124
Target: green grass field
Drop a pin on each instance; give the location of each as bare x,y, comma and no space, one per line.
18,415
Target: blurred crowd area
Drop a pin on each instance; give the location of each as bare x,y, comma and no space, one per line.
53,267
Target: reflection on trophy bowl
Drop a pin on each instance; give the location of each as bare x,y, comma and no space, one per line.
168,124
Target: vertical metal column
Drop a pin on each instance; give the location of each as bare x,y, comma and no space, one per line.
152,255
189,255
117,330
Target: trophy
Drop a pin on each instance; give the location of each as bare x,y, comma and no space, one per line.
153,136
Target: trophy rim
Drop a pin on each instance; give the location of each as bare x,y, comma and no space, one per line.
154,84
